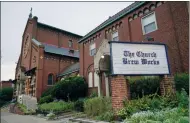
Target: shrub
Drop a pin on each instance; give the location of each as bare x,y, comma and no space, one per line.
57,107
182,81
144,86
183,120
93,94
152,102
47,92
79,105
97,106
183,99
163,116
46,99
71,88
107,116
6,94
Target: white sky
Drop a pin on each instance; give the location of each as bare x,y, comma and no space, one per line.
76,17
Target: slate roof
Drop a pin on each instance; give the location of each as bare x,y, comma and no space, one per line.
70,69
56,50
114,18
57,29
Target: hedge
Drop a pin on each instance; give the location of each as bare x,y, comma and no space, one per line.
6,94
69,89
144,86
182,81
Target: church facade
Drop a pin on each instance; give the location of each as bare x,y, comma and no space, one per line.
46,52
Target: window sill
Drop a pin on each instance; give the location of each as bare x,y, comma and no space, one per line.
150,32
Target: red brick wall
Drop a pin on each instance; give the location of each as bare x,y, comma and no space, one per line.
120,91
54,64
47,36
34,56
55,38
6,84
26,61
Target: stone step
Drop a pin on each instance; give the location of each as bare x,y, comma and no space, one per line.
65,116
82,120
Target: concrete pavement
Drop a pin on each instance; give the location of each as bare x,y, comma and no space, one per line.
7,117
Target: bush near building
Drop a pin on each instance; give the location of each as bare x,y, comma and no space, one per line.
182,81
6,95
69,89
155,108
99,107
142,86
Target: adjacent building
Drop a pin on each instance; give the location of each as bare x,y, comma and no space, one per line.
46,52
165,22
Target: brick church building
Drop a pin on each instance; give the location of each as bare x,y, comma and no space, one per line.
164,22
46,53
49,53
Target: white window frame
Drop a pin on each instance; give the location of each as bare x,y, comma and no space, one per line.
96,79
90,49
112,36
152,13
90,80
70,44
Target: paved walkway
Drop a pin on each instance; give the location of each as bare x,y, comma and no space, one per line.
14,118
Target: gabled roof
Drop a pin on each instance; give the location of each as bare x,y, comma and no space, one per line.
114,18
59,30
56,50
73,68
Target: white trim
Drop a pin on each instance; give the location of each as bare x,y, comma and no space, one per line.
152,13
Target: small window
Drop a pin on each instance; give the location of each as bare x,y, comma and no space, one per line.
90,79
92,49
149,23
115,36
70,43
50,79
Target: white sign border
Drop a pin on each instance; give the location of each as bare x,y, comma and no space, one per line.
125,42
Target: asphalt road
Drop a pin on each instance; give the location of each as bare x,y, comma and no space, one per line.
14,118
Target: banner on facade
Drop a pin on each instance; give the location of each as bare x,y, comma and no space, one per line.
138,58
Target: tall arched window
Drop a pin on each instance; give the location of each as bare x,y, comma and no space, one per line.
90,79
50,79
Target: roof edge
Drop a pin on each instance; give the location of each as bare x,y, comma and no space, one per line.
58,29
68,73
111,21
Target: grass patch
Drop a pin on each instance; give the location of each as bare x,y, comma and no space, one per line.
56,107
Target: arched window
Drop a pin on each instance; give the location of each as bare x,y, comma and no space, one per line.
70,43
90,79
50,79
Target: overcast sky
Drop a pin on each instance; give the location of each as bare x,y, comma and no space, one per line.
76,17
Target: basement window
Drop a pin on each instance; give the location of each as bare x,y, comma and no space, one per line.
149,23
